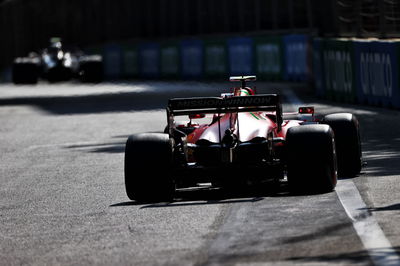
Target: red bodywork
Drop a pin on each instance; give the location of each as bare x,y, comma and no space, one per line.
247,126
247,131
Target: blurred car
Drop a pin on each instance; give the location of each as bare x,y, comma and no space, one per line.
56,63
247,139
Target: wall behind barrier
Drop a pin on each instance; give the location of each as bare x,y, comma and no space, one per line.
215,58
149,60
297,52
170,59
344,70
357,71
377,73
318,67
130,61
192,59
268,57
273,58
240,55
112,57
338,66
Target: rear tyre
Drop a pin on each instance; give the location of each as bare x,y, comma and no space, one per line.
311,159
91,69
25,71
348,144
148,164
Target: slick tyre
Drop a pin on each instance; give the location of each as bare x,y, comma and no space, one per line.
311,159
148,160
91,69
348,145
24,72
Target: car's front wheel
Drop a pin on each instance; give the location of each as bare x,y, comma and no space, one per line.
148,164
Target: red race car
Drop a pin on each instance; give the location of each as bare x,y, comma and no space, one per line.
241,138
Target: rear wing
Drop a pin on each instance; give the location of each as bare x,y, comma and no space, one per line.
212,105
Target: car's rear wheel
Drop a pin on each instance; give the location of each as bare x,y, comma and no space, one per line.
348,145
25,72
91,69
148,164
311,159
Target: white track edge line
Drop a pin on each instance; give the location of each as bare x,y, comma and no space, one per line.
367,228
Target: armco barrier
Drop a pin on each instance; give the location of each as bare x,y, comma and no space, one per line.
318,67
240,56
149,60
297,59
170,60
338,67
215,58
268,57
112,56
377,73
192,59
130,61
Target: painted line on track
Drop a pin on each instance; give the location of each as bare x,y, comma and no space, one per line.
370,233
367,228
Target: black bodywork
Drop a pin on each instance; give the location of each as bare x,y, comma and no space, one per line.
57,63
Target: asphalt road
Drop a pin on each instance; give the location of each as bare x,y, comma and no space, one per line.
63,202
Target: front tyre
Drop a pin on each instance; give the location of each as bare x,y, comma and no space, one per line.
148,164
311,159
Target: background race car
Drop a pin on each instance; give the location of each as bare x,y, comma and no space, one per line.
56,63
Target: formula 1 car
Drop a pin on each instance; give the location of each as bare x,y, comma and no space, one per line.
56,63
247,140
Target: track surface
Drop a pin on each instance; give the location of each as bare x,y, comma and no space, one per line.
62,197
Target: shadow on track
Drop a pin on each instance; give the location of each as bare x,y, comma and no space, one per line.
111,147
89,104
181,203
215,195
393,207
202,196
119,96
110,97
316,235
347,258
